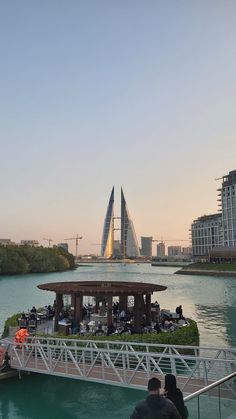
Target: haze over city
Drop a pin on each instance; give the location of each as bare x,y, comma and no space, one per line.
94,94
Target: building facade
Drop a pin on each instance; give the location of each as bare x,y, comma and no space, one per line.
32,243
174,251
64,246
227,194
6,242
217,230
146,246
206,234
187,251
161,251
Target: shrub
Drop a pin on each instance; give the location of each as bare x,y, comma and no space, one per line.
188,336
11,321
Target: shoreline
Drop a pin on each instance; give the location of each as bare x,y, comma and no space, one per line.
202,272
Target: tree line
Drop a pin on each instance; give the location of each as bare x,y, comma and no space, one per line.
26,259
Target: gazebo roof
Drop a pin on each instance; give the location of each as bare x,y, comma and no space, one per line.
102,287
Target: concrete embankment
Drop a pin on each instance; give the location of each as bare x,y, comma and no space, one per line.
205,272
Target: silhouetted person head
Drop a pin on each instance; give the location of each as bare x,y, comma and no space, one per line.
170,383
154,385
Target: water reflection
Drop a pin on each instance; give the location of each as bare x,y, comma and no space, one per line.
212,323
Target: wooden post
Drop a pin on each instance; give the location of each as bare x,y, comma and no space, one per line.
97,299
138,312
78,308
148,309
109,310
58,309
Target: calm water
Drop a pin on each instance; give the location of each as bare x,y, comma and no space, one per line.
211,301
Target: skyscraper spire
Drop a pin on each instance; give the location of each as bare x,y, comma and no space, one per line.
129,244
128,241
108,229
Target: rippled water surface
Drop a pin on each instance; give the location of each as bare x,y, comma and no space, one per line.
211,301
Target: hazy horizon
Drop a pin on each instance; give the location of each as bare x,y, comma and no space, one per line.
134,94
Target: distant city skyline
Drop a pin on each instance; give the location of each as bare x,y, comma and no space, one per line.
139,94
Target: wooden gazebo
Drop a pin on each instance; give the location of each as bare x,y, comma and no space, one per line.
105,290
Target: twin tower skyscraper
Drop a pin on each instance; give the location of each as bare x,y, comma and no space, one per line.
128,244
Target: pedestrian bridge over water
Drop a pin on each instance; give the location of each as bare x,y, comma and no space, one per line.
127,364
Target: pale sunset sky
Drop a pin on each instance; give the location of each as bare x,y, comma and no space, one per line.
138,94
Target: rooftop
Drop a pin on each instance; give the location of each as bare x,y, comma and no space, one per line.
102,287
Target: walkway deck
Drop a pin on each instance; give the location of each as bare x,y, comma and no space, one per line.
124,364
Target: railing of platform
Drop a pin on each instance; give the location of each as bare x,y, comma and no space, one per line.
216,401
123,363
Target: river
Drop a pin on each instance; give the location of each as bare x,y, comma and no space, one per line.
211,301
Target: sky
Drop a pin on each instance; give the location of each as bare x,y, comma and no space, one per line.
138,94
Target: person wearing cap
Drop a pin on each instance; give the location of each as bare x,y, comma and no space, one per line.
155,405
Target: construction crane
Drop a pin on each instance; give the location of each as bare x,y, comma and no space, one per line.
77,238
49,241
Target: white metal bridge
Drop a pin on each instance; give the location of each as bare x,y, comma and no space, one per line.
127,364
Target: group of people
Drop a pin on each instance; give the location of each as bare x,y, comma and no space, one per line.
170,405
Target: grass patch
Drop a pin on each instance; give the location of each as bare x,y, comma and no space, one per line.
206,266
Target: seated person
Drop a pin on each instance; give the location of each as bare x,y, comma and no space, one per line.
50,311
122,316
99,330
157,327
167,325
126,330
111,329
23,321
33,310
74,327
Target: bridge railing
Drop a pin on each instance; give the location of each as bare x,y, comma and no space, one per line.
216,401
123,363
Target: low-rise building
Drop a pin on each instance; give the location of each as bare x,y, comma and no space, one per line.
174,251
29,243
6,242
64,246
223,255
187,250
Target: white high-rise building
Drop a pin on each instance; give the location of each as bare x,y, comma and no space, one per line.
217,230
161,250
206,234
227,194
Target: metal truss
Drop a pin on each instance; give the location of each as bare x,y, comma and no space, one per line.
126,364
